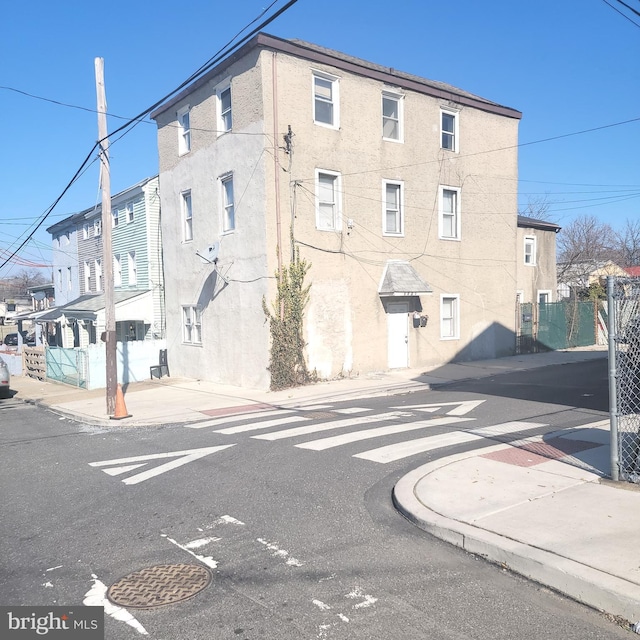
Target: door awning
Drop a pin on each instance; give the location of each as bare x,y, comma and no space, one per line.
399,278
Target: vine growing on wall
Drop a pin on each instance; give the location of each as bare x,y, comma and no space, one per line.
287,363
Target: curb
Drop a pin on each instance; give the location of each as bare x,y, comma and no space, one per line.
595,588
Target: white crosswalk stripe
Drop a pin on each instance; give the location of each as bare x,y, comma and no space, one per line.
262,425
327,426
216,422
399,420
336,441
401,450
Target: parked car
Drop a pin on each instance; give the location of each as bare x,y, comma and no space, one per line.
5,379
11,339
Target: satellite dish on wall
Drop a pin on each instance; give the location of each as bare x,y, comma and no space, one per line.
38,295
209,255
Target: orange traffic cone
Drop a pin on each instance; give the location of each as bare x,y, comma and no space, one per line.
121,408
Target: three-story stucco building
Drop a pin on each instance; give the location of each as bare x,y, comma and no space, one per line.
400,191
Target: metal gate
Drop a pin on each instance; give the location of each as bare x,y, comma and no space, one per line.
67,365
623,295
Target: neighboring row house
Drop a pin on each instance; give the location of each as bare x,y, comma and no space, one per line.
400,192
536,281
79,315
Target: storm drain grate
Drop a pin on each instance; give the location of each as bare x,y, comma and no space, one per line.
159,585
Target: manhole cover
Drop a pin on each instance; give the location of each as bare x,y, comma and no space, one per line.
320,415
159,585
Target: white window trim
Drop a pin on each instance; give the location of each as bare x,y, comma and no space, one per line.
97,227
117,270
69,279
98,268
456,137
184,134
456,319
335,98
441,190
195,311
85,231
132,266
338,200
87,276
396,183
220,89
224,205
129,210
532,241
115,217
187,220
546,292
400,99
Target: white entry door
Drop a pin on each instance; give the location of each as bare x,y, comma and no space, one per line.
398,334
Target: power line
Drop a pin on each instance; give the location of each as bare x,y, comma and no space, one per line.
623,14
224,51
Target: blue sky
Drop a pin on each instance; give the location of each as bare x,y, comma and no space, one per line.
568,66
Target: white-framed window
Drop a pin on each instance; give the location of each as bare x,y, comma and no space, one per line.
128,209
326,100
60,279
530,251
115,218
449,130
98,267
544,296
133,268
449,218
449,316
68,278
117,270
228,206
85,230
97,227
392,208
328,200
87,276
225,113
192,324
184,130
392,116
187,216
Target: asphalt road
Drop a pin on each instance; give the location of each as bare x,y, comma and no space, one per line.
297,528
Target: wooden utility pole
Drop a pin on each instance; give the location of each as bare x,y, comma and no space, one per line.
107,260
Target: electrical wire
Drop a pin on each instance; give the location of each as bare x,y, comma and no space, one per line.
132,122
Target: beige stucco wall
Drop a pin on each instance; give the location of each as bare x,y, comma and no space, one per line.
542,275
346,319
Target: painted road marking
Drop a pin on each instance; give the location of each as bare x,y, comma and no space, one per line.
182,458
262,425
336,441
401,450
327,426
216,422
460,408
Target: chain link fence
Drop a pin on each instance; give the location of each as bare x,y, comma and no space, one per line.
623,298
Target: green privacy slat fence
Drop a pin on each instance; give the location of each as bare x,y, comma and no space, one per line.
555,325
67,365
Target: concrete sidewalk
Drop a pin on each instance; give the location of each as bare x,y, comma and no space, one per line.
540,506
179,400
